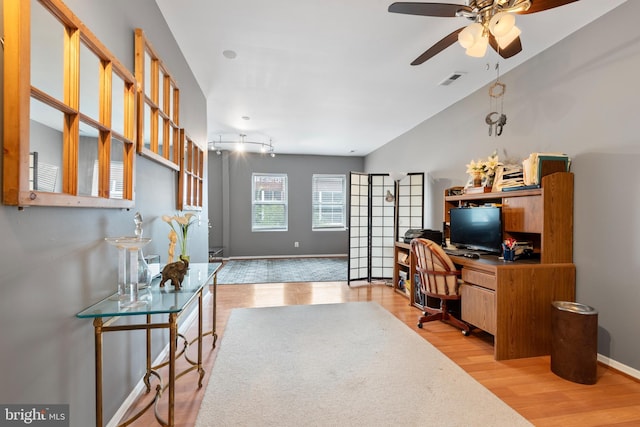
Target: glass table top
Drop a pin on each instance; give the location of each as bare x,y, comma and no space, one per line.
154,299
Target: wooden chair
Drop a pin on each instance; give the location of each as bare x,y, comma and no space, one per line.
439,279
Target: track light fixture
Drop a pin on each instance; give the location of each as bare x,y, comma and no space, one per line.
241,145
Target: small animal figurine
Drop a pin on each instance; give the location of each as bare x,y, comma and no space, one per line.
175,272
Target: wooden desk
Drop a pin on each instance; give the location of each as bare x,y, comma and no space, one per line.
512,301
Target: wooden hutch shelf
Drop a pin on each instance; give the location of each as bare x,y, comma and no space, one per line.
512,300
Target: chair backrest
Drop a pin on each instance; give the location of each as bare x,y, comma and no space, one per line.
438,274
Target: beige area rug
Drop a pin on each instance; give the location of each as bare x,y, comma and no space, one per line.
351,364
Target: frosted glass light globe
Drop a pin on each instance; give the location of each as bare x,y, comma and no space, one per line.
470,35
501,24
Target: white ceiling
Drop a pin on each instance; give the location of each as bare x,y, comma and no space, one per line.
332,77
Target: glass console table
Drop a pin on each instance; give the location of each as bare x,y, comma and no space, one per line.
156,301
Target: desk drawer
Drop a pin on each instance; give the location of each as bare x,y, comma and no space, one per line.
480,278
479,307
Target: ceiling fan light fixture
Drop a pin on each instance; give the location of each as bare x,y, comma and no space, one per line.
502,23
507,39
479,48
470,35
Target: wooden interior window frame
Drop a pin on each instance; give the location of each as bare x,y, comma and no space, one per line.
165,117
18,93
191,180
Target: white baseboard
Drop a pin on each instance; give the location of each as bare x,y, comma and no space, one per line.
138,389
619,366
287,256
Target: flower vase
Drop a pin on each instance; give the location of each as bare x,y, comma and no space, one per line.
489,181
477,179
184,249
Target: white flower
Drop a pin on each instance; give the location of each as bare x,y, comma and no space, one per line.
475,167
491,165
486,167
184,222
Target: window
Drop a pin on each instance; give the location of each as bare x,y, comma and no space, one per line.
329,201
269,206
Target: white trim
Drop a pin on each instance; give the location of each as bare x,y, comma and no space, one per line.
140,386
285,256
628,370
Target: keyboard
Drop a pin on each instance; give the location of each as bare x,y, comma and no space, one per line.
467,253
456,252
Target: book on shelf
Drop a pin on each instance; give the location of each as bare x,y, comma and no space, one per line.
538,165
520,187
477,190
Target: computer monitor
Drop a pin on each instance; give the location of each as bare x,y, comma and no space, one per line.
478,228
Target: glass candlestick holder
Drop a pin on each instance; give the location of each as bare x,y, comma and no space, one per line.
128,277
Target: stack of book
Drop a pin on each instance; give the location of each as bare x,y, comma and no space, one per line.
510,178
538,165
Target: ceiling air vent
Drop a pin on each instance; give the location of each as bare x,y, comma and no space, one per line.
452,78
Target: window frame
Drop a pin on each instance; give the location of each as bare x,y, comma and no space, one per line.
255,203
162,99
191,180
19,92
317,202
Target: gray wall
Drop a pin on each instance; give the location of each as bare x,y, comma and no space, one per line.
54,261
581,97
230,206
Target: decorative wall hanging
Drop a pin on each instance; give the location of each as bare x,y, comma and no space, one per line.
496,120
158,106
192,174
78,117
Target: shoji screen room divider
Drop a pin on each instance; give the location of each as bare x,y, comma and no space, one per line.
379,210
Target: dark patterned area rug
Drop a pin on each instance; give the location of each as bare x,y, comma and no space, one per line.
283,270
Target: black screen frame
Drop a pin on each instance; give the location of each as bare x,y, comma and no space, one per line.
476,228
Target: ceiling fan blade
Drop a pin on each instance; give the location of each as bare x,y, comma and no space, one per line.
514,47
438,47
445,10
540,5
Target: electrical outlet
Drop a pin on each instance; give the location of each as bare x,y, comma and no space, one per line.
296,244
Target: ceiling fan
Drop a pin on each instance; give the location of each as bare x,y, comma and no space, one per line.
493,24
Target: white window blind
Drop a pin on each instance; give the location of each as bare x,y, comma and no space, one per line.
269,206
329,201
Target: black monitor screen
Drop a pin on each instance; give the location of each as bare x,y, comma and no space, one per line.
476,228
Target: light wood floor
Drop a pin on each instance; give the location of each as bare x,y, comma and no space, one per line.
527,385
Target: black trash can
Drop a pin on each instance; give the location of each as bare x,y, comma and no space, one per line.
574,341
